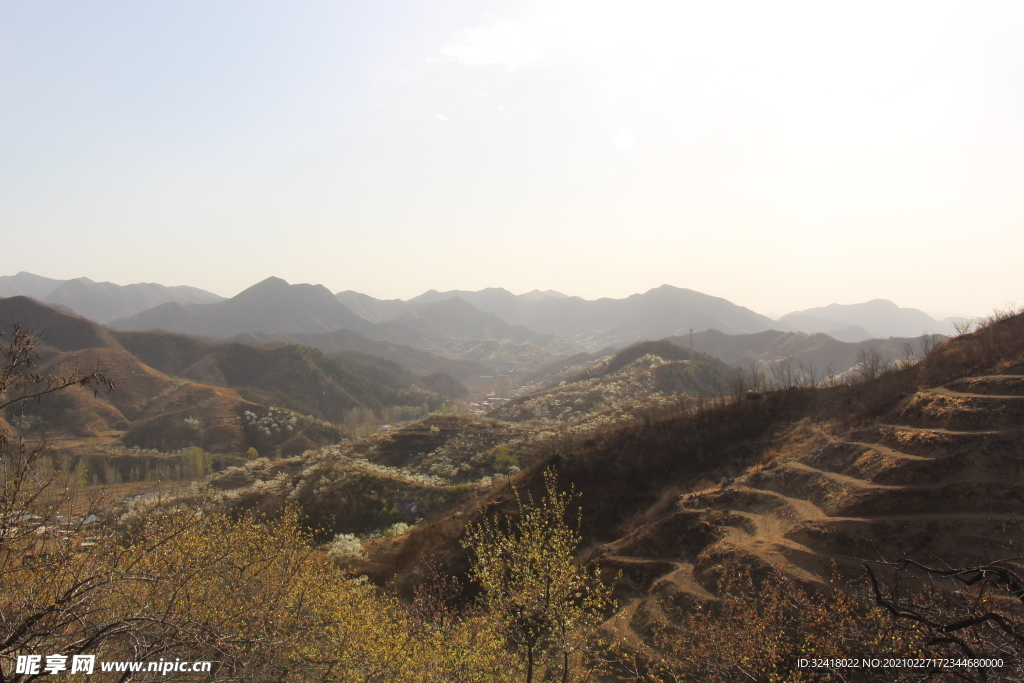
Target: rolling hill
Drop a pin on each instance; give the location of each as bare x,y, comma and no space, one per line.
640,373
338,341
163,378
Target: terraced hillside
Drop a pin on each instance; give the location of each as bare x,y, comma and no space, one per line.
939,478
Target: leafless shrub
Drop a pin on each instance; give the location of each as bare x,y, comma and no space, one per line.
999,314
963,327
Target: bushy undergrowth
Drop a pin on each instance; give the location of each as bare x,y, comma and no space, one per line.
254,598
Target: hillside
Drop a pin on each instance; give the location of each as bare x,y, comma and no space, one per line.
456,318
439,463
307,380
820,353
396,376
924,463
641,371
302,378
938,477
685,478
338,341
63,331
161,379
150,410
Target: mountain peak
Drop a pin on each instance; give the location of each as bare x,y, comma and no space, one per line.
537,295
272,281
271,286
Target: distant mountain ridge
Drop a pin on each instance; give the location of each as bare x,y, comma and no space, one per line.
655,314
548,323
490,300
278,309
271,306
101,302
878,318
456,318
27,284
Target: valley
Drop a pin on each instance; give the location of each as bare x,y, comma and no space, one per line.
544,342
698,461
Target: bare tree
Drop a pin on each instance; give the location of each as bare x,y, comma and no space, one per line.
738,382
871,363
982,617
34,486
831,375
34,491
928,343
756,378
783,373
808,374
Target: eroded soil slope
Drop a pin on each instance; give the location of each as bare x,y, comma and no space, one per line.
939,478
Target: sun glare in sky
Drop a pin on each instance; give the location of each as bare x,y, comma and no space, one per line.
781,155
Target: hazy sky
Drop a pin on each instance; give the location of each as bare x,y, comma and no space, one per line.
782,155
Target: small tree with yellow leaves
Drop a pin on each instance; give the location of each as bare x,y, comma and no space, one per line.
544,602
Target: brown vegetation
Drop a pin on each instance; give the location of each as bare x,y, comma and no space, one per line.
738,527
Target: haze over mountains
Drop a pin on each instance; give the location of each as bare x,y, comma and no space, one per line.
536,326
299,347
876,318
272,306
100,301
